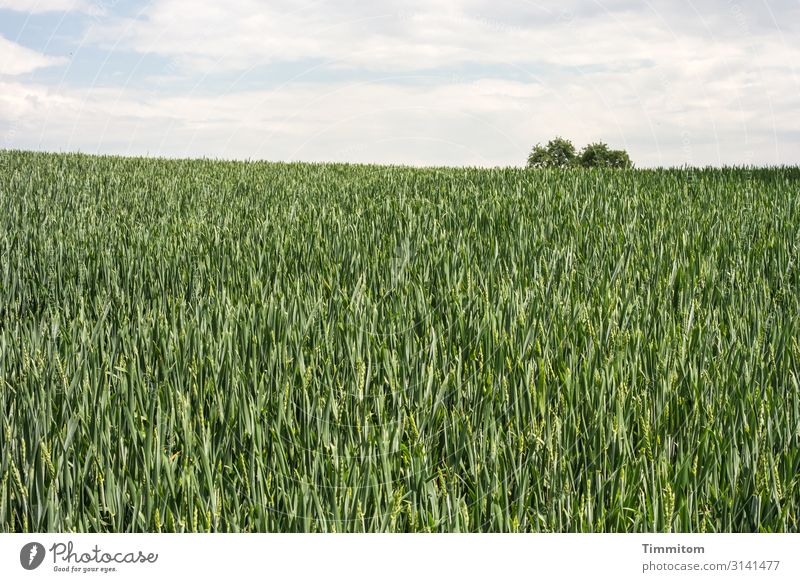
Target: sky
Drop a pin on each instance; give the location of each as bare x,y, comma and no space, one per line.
418,82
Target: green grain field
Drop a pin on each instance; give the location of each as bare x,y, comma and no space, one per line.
240,346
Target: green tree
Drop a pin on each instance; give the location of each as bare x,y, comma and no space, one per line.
558,153
599,155
539,158
620,159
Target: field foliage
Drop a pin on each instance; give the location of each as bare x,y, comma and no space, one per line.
220,346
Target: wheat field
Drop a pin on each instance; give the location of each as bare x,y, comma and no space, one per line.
244,346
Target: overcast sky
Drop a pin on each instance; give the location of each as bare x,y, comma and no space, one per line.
444,82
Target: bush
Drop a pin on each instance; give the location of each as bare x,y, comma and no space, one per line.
599,155
560,153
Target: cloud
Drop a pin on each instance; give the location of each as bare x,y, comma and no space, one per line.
40,6
17,60
452,82
486,122
416,35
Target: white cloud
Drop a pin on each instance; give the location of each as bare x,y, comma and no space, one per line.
668,81
39,6
488,122
414,35
17,60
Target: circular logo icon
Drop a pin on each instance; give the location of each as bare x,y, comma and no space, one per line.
31,555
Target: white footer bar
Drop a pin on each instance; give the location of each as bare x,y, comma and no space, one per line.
354,557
